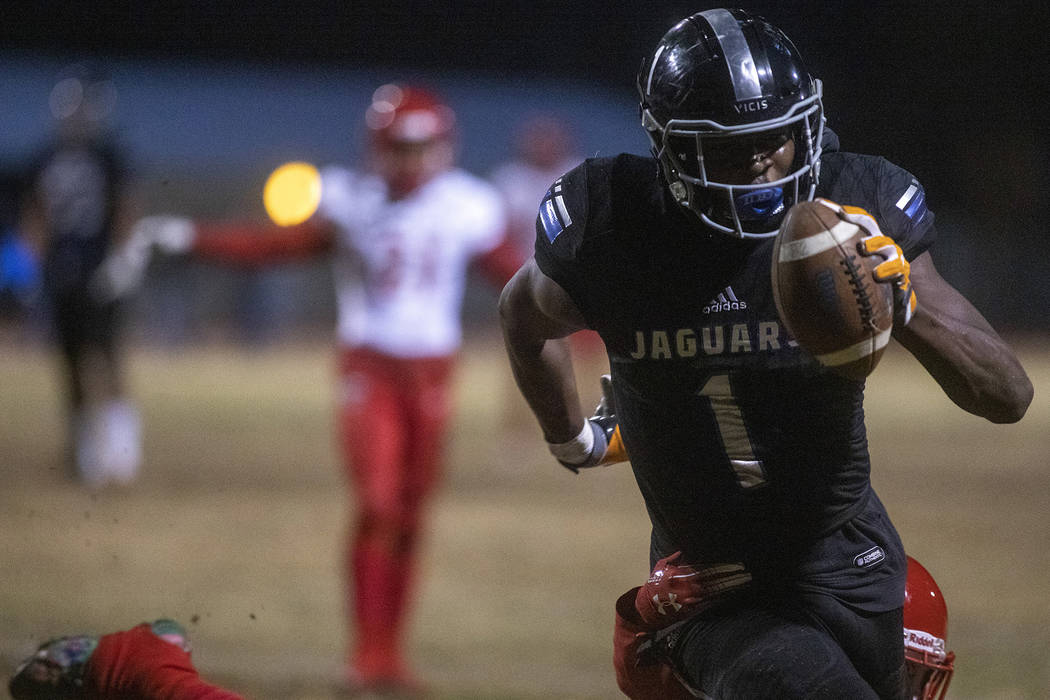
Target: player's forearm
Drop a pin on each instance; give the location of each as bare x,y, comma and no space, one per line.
544,374
536,316
250,243
972,364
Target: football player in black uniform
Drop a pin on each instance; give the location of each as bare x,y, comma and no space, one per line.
76,211
750,456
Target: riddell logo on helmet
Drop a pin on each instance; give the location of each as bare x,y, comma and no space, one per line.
751,106
924,641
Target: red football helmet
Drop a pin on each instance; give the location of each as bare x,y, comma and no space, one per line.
929,664
411,133
404,114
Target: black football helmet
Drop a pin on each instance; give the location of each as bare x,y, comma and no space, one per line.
721,74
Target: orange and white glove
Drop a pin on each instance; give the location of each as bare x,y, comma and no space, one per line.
894,268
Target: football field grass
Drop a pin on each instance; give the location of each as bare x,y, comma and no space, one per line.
236,528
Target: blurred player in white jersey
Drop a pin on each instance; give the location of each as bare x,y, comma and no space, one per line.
412,232
402,237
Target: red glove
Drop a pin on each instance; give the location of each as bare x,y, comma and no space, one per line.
670,594
640,677
674,591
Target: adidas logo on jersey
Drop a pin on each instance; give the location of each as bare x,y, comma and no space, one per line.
725,301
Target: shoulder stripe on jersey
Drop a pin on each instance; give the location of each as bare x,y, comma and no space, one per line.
737,56
906,197
553,213
913,202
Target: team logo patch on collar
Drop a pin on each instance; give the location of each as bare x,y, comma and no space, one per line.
553,215
870,558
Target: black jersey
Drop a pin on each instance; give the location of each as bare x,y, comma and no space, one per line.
743,446
77,184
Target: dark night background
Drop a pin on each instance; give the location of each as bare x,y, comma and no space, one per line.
916,81
956,92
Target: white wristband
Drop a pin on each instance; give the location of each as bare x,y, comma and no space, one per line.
577,450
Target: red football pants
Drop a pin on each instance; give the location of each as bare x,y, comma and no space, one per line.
392,418
138,665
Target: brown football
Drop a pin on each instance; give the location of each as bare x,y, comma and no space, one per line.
825,292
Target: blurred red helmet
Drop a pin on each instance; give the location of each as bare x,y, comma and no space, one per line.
929,664
408,114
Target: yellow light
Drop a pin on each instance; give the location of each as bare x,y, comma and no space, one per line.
292,193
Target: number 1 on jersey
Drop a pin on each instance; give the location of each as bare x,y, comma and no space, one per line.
735,441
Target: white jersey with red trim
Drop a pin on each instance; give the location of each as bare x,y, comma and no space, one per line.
400,266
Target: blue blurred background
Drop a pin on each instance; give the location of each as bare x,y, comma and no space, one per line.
213,95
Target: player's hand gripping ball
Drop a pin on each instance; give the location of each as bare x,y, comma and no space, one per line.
827,289
894,269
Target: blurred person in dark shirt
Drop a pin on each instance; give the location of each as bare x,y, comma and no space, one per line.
76,208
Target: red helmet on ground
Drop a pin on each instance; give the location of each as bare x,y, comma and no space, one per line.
408,114
929,664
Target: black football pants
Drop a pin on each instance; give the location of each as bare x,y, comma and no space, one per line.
803,645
